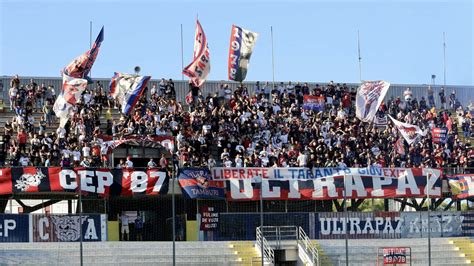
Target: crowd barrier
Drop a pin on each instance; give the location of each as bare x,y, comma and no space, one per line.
360,225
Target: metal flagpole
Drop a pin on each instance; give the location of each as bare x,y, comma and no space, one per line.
345,223
182,54
273,59
261,221
90,42
360,58
429,219
80,225
444,58
173,203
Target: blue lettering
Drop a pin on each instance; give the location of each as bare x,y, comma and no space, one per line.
301,174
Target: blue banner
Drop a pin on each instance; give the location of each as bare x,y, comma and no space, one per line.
196,183
14,228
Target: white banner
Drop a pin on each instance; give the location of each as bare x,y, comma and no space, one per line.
409,132
369,97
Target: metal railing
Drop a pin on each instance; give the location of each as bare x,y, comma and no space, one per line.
305,241
268,253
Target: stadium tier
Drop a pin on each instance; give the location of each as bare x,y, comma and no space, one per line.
317,163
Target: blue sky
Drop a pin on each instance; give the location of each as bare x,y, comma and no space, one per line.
401,41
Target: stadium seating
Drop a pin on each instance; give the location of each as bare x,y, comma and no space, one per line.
361,252
120,253
364,251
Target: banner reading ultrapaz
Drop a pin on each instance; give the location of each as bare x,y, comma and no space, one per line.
327,183
242,42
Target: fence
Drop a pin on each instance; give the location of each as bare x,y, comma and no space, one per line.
463,93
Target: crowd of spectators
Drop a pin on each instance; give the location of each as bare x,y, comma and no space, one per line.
263,126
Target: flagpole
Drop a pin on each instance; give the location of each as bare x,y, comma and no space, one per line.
90,43
360,58
444,58
182,53
273,59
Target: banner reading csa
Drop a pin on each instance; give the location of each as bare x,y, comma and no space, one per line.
103,182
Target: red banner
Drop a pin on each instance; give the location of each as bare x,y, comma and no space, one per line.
102,182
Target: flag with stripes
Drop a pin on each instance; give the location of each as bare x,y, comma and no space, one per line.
127,89
81,65
200,67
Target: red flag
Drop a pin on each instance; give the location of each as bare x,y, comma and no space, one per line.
189,97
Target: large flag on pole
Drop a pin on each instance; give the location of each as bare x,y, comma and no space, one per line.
242,42
67,99
409,132
369,97
127,89
81,65
198,70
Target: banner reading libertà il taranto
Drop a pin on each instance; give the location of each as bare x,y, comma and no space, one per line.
328,183
102,182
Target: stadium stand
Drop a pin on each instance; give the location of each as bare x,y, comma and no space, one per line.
248,129
233,125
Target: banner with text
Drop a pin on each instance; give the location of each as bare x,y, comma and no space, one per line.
102,182
196,183
14,227
67,228
327,183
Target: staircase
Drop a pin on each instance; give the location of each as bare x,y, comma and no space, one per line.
465,247
323,258
246,252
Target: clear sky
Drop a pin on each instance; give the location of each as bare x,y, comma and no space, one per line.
401,41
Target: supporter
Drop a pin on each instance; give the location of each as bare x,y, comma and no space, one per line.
128,162
151,163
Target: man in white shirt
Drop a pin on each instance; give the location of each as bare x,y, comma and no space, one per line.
61,132
125,230
76,156
24,160
86,150
128,162
238,161
302,159
407,94
290,88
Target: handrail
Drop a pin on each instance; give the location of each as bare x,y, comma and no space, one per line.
268,253
308,245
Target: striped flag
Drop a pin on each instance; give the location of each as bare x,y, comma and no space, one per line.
71,93
200,67
127,89
242,42
81,65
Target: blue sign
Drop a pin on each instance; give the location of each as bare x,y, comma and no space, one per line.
14,228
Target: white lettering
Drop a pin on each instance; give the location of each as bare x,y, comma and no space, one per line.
43,223
90,231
